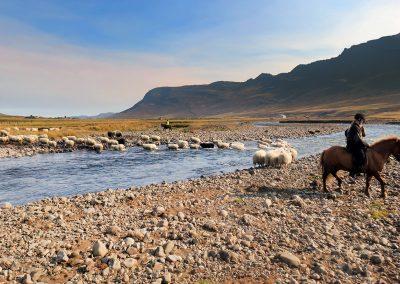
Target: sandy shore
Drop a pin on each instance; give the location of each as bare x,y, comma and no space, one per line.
263,225
241,133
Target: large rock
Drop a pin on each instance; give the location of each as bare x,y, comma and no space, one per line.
289,258
99,249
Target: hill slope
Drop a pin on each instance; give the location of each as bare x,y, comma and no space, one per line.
365,77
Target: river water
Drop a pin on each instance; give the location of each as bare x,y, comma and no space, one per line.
28,179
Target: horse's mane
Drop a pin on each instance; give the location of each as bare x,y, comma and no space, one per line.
385,139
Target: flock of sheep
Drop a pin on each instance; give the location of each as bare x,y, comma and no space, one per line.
274,154
271,153
152,142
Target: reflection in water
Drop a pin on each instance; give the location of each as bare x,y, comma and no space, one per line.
31,178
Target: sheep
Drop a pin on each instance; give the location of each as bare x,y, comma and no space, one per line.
45,130
265,140
30,139
145,137
54,129
52,143
69,143
98,147
285,157
65,139
3,133
113,142
183,144
16,128
272,157
44,141
139,143
90,142
195,140
3,139
237,146
149,146
104,140
118,147
172,146
155,138
118,133
73,138
194,146
263,146
43,136
34,129
15,138
80,141
259,158
222,145
293,152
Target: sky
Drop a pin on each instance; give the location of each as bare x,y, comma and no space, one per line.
87,57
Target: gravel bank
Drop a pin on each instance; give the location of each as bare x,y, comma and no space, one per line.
241,133
263,225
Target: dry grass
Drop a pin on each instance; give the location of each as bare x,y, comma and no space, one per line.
85,127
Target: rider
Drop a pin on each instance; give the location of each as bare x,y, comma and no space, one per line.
356,145
167,123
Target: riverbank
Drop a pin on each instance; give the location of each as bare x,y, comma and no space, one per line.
262,225
244,132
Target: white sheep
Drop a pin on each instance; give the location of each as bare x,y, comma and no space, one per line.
263,146
259,158
43,136
272,157
104,140
293,152
44,141
285,157
34,129
52,143
222,145
113,142
237,146
65,139
145,137
69,143
183,144
155,138
15,138
4,139
98,147
90,142
195,140
80,141
194,146
30,139
266,140
172,146
73,138
45,130
3,133
118,147
150,146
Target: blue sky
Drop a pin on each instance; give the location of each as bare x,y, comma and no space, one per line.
85,57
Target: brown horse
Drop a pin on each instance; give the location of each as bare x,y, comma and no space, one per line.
338,158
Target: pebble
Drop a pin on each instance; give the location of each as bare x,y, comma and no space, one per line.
99,249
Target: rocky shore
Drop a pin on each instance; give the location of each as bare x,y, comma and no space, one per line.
241,133
252,226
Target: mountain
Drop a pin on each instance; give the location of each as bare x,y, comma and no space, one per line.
365,77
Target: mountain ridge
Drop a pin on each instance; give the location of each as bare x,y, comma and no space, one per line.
365,75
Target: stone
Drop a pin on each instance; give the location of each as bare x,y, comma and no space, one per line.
159,210
99,249
181,216
289,258
62,256
268,202
114,263
376,259
173,258
159,252
166,278
113,230
27,279
130,262
224,213
129,241
298,201
168,247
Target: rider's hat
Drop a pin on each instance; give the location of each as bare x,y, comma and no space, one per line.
359,116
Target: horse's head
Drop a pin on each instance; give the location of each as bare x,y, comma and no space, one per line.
396,152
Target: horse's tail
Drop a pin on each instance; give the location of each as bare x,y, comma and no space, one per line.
321,160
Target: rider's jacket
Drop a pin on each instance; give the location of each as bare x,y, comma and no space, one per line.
354,136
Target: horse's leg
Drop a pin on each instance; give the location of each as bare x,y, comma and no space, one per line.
324,177
339,180
379,178
368,180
